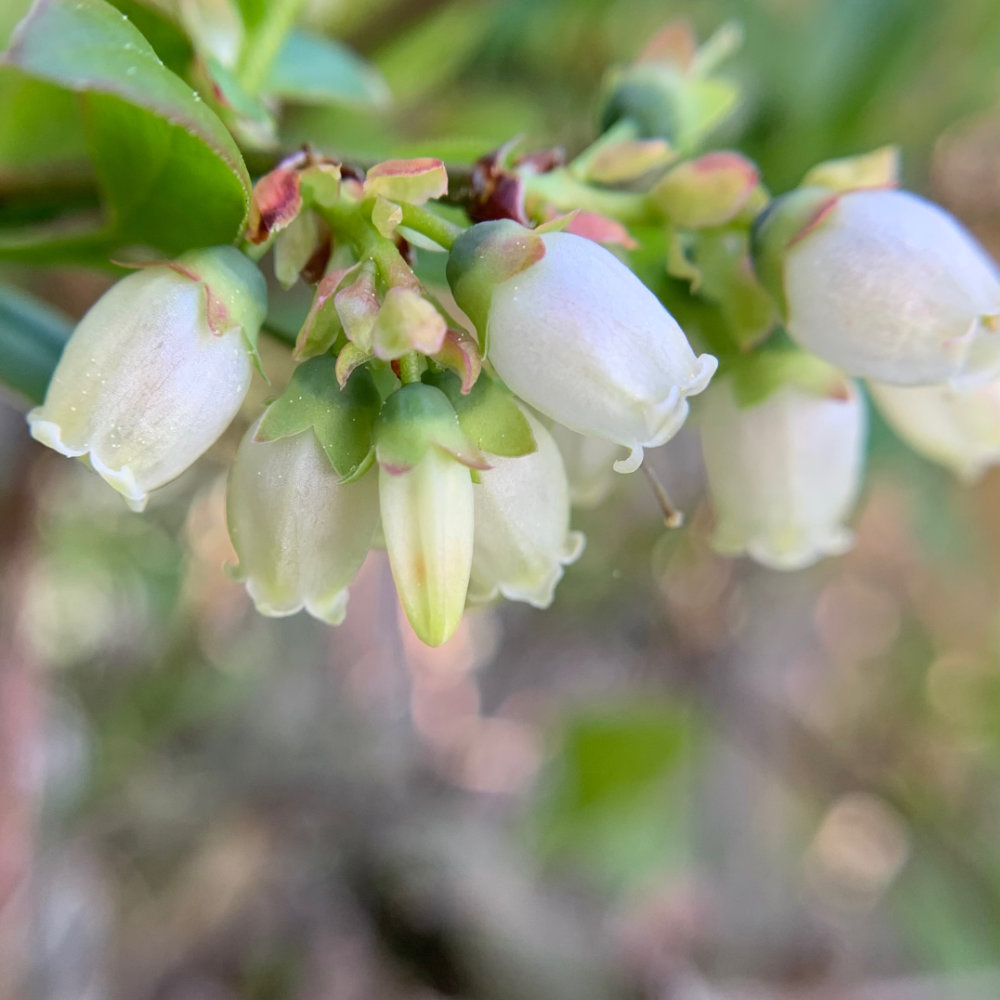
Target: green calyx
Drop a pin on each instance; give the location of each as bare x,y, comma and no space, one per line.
234,283
487,414
482,258
341,418
787,219
415,418
759,374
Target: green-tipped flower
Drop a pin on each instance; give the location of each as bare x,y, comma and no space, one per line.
300,533
426,499
156,370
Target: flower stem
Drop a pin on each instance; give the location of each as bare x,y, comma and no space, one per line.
410,368
561,189
672,517
425,222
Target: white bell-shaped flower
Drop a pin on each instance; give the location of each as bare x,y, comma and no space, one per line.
577,335
784,473
522,536
957,428
300,534
886,285
156,370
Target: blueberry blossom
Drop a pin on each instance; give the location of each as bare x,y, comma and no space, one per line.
958,428
426,500
299,532
156,370
783,472
573,332
882,284
522,536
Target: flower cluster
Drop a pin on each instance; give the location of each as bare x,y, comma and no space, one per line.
439,421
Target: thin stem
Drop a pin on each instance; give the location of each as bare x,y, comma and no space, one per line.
672,517
263,45
410,368
561,189
425,222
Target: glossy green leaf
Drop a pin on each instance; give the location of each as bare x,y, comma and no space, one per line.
170,174
311,69
341,419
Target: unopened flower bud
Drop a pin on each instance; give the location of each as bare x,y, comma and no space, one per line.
783,473
426,499
156,370
300,533
576,334
522,536
882,284
957,428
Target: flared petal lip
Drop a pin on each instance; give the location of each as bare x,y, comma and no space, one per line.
121,479
330,608
541,592
835,543
666,417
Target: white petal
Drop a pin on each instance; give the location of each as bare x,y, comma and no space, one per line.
300,535
522,536
579,337
891,287
783,474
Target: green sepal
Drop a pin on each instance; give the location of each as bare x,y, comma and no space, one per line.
756,376
879,168
235,292
728,280
785,220
487,414
482,258
341,418
415,418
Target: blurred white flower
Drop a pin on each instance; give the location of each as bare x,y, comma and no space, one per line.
156,370
957,428
522,536
784,473
587,461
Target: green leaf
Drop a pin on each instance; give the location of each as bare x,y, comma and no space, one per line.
311,69
488,415
341,419
32,336
170,174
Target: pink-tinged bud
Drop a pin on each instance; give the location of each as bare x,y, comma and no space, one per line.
784,472
577,335
300,533
884,285
156,370
522,536
957,428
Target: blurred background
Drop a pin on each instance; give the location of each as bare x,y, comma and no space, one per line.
691,779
